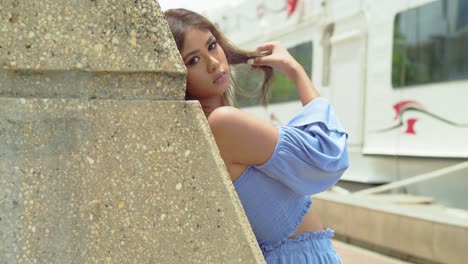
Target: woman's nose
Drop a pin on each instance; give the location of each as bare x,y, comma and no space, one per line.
213,64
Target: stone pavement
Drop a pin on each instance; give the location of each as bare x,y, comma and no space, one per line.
351,254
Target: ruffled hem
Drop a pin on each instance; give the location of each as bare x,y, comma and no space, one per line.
310,235
327,233
266,246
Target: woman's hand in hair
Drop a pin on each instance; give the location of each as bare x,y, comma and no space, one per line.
279,59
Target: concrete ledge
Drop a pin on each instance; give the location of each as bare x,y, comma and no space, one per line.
116,181
421,233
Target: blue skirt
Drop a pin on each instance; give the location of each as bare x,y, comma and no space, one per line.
309,247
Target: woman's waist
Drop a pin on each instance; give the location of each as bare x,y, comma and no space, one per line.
310,222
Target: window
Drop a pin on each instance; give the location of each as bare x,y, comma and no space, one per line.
430,44
282,89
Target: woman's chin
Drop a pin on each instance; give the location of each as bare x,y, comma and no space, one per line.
225,89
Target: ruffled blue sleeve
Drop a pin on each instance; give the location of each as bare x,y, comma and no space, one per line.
311,153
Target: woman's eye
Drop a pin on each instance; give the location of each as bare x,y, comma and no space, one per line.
212,45
193,61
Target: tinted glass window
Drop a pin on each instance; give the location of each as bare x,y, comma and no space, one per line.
430,44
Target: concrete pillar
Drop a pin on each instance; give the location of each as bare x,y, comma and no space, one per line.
101,159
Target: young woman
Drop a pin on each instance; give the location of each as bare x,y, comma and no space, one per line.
274,170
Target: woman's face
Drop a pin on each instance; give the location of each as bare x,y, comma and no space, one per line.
208,72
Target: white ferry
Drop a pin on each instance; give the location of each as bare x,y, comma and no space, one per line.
396,73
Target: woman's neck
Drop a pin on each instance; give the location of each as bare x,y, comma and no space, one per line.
210,104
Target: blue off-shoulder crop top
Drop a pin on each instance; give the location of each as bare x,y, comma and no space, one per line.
310,156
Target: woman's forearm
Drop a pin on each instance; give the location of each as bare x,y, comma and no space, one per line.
280,59
305,87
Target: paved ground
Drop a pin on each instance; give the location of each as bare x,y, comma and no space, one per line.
351,254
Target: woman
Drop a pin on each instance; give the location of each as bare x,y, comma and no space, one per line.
274,170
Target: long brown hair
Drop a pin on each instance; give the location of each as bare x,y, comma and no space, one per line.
180,19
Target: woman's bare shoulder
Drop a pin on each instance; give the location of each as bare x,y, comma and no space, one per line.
224,115
242,137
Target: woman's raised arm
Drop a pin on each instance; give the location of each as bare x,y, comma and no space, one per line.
281,60
308,154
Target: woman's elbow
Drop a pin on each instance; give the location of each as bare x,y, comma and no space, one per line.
338,163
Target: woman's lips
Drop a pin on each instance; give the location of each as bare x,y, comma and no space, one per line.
219,77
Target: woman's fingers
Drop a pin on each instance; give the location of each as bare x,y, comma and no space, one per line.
267,46
264,47
276,57
259,61
267,50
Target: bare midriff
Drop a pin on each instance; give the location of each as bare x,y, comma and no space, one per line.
310,222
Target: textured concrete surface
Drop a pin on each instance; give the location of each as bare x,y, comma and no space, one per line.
90,85
101,159
124,182
88,35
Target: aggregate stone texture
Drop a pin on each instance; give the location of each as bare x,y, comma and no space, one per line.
96,36
115,181
90,85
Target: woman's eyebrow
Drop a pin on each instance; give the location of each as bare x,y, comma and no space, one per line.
210,38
